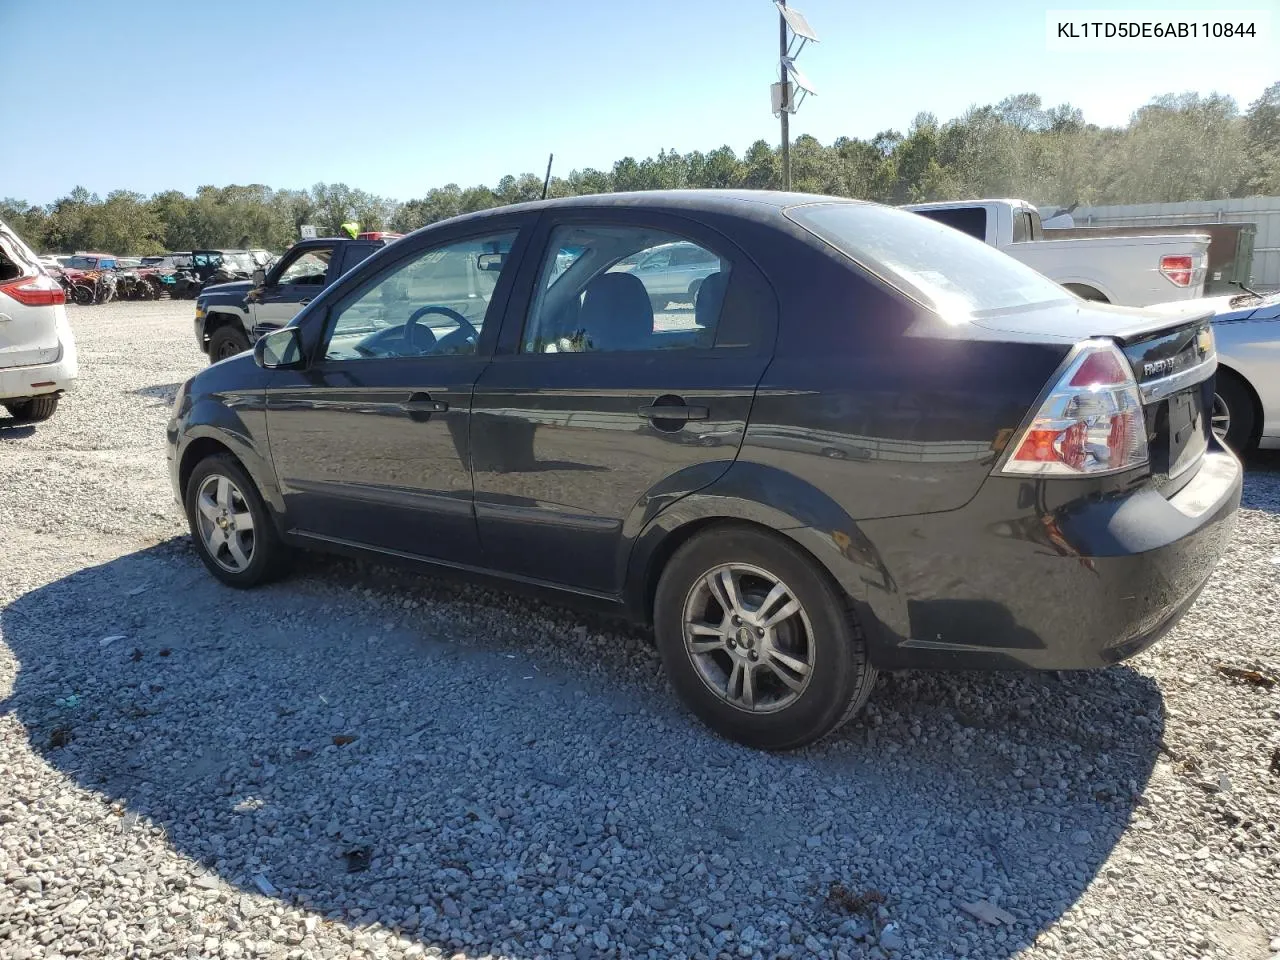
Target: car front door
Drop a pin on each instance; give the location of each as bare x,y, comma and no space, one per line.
370,441
289,287
596,412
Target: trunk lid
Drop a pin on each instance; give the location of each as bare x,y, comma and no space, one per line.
28,335
1173,359
1174,368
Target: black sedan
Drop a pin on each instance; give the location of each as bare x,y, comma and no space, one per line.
865,441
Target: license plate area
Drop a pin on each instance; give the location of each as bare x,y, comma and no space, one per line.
1177,436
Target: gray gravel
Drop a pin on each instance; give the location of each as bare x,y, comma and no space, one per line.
190,771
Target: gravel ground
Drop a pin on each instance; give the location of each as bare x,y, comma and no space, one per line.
362,763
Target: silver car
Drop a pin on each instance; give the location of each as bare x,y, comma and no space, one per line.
673,272
1246,402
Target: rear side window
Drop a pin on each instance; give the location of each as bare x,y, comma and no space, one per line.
608,288
970,220
955,275
1021,230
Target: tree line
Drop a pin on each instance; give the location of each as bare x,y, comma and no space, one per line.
1177,147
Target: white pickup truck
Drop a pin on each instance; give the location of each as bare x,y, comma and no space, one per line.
1129,271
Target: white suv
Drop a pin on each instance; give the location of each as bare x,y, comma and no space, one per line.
37,351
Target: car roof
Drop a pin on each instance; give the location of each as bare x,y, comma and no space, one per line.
672,201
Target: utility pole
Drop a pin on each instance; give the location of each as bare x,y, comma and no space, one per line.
790,79
786,95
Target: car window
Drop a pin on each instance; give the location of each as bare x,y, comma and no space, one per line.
1020,221
432,304
954,274
309,268
690,255
970,220
611,288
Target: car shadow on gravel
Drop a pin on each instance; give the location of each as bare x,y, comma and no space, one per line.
12,429
163,393
1262,481
397,753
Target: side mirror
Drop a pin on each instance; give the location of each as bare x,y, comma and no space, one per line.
279,350
491,262
259,277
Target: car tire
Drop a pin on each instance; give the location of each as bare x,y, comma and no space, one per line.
35,409
822,635
227,341
1233,400
263,556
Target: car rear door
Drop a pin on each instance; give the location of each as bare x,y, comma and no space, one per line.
596,413
28,334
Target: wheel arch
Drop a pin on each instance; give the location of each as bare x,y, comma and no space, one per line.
206,441
1255,400
775,501
219,317
1087,291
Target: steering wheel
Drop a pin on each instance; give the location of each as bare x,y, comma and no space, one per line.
462,322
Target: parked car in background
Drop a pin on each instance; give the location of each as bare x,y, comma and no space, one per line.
1246,400
674,272
51,265
230,316
1024,479
37,351
1125,270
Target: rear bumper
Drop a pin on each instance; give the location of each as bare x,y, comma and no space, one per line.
1013,581
17,383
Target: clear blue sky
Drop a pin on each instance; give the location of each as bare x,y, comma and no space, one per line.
397,96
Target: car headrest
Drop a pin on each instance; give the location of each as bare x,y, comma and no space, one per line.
616,313
710,299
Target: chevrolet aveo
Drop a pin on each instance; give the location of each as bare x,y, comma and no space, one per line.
869,442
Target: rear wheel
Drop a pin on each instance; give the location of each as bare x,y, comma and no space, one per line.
35,409
227,341
757,640
1233,415
231,526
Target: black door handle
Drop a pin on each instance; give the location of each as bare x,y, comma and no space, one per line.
303,303
420,406
681,412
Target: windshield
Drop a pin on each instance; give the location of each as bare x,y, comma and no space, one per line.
954,274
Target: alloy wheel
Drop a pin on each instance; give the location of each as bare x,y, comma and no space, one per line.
748,637
225,523
1220,418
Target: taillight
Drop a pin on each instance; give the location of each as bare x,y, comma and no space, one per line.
38,291
1178,268
1090,423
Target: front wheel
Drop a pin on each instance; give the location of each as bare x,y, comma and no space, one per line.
83,295
33,410
231,526
226,342
757,640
